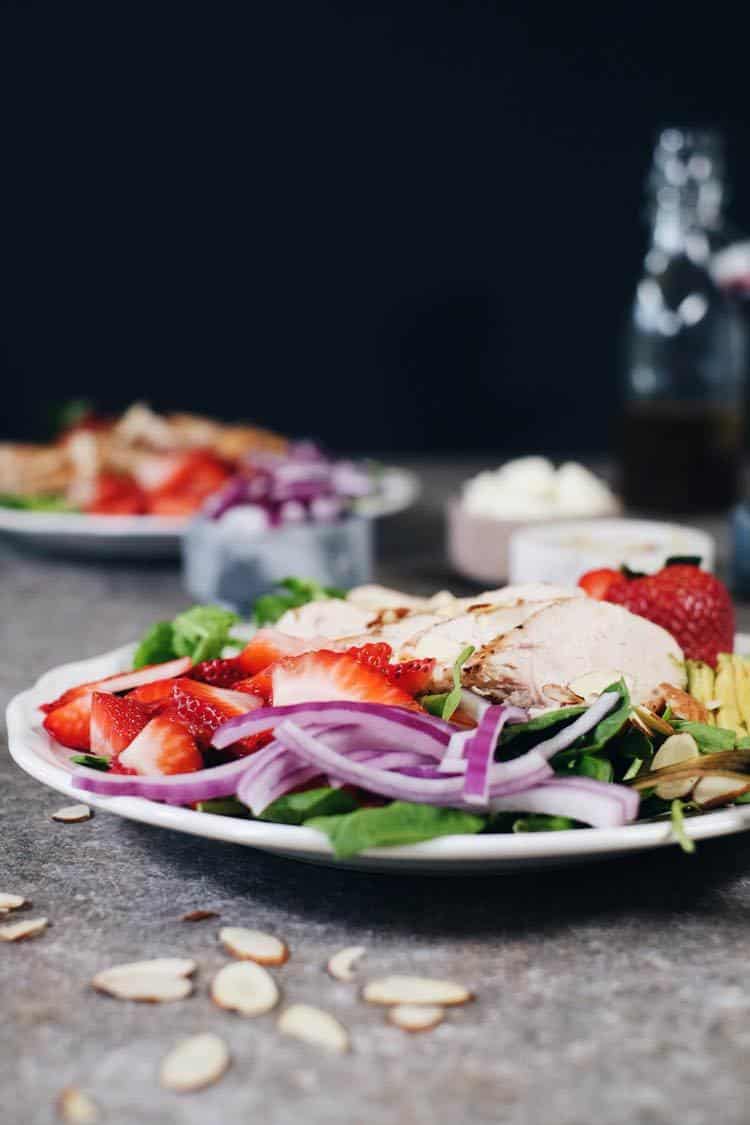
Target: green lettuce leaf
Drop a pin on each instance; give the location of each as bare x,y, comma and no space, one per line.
157,646
35,503
401,822
296,808
709,739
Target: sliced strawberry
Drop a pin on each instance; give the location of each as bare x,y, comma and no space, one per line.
268,646
186,481
600,583
373,655
115,721
163,746
219,673
124,681
203,708
69,723
116,494
152,694
412,676
324,675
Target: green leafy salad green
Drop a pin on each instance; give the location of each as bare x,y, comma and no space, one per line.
35,503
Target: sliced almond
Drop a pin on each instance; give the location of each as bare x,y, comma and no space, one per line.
416,1017
199,915
11,902
592,684
73,814
194,1063
712,791
315,1026
158,981
415,990
683,705
654,722
76,1107
559,694
245,987
676,748
253,945
341,965
19,931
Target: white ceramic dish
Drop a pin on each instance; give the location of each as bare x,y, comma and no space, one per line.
38,754
157,536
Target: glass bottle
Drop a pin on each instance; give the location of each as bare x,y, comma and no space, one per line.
683,421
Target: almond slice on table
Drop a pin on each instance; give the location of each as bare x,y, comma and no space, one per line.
253,945
160,980
341,965
313,1025
416,1017
73,814
245,987
76,1107
19,931
194,1063
415,990
10,902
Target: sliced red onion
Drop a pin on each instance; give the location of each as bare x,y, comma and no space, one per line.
476,705
479,751
379,725
173,789
582,725
598,803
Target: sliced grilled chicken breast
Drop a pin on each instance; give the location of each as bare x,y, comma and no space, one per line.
565,640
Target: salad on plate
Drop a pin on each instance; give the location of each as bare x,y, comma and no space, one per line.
381,718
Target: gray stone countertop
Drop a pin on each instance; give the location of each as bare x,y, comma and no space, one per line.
609,992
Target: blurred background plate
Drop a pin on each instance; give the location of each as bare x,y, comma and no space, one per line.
76,534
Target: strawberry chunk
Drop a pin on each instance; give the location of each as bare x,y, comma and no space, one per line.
268,646
186,480
203,708
374,656
116,494
412,676
153,694
599,583
218,673
124,681
69,723
163,746
324,675
115,722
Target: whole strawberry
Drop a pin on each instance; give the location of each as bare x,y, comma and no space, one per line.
691,604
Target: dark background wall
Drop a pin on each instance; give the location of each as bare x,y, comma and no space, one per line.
393,225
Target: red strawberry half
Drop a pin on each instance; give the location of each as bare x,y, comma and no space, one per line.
124,681
163,746
219,673
268,646
115,722
69,724
691,604
324,675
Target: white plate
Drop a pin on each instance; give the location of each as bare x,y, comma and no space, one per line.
43,758
74,533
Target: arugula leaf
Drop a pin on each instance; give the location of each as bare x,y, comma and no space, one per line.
678,827
401,822
93,761
157,646
454,697
542,822
35,503
590,766
292,592
296,808
709,739
202,632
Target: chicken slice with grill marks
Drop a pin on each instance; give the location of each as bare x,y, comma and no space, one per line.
568,639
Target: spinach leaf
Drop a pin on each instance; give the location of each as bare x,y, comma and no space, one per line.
202,632
401,822
435,704
541,723
604,731
35,503
157,646
709,739
296,808
542,822
93,761
225,806
291,593
587,765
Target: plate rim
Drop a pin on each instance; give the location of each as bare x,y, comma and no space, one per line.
401,489
26,736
